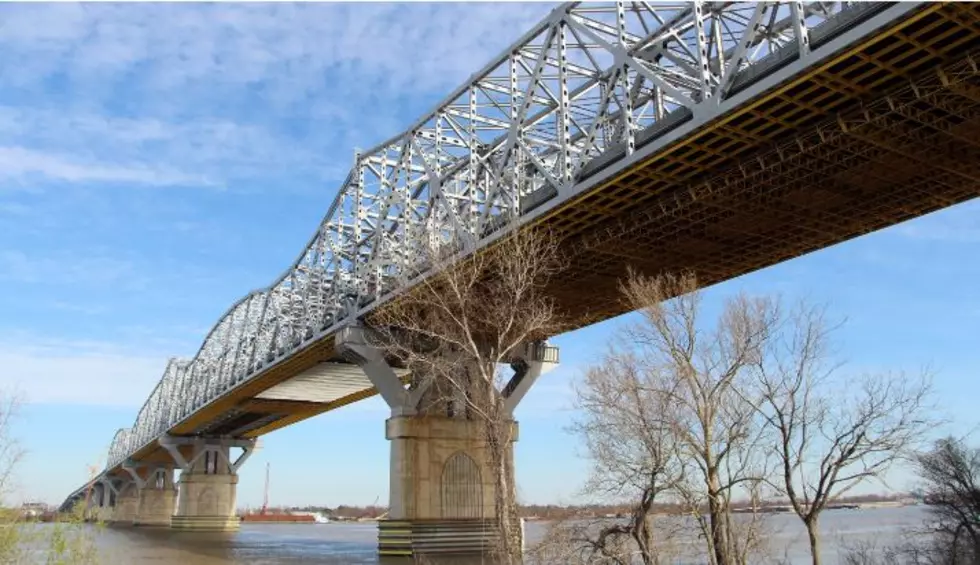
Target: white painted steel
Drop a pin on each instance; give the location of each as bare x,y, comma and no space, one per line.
587,92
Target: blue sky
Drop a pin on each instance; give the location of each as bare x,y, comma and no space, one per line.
159,161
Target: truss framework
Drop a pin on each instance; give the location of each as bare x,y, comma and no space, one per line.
579,91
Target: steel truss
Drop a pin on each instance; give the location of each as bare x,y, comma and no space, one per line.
580,90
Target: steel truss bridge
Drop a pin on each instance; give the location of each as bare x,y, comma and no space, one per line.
713,136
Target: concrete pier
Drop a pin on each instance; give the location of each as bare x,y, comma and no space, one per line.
127,505
206,492
442,487
157,500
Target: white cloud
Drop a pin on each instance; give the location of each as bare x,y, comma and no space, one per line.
77,372
20,164
14,209
175,94
942,233
960,224
21,267
74,308
423,46
181,94
145,151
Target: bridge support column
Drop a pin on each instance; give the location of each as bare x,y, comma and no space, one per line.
442,495
106,502
441,487
208,482
156,495
127,504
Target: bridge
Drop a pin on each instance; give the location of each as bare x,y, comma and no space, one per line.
708,136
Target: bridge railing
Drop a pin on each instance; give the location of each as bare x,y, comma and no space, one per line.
583,88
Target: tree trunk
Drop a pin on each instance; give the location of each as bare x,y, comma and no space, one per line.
813,532
498,440
641,534
717,520
504,520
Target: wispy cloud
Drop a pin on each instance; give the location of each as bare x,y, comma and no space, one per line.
75,308
14,209
21,267
266,96
943,233
957,225
22,164
77,372
290,46
83,147
227,94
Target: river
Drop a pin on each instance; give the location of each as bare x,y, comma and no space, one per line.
354,543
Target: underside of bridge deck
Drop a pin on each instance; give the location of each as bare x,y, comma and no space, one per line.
310,382
884,132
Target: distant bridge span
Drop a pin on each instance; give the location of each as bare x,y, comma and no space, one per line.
716,137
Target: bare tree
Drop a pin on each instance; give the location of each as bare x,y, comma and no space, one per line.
665,414
11,451
706,367
11,536
457,329
583,542
951,473
627,425
831,434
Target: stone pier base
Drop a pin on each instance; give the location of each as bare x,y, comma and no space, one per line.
408,538
105,514
126,509
206,503
156,508
442,488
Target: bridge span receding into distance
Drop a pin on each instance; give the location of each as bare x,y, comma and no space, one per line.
707,136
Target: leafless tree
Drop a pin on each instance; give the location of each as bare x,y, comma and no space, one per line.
951,476
706,367
664,414
11,451
457,329
627,426
11,537
583,542
831,434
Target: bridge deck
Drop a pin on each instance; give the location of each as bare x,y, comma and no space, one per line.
705,203
886,130
850,161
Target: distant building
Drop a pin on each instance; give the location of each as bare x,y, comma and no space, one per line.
33,509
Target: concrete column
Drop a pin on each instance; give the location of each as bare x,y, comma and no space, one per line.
157,499
442,483
105,514
441,487
105,506
206,492
126,505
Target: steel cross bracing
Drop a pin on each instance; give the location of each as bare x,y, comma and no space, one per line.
578,91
